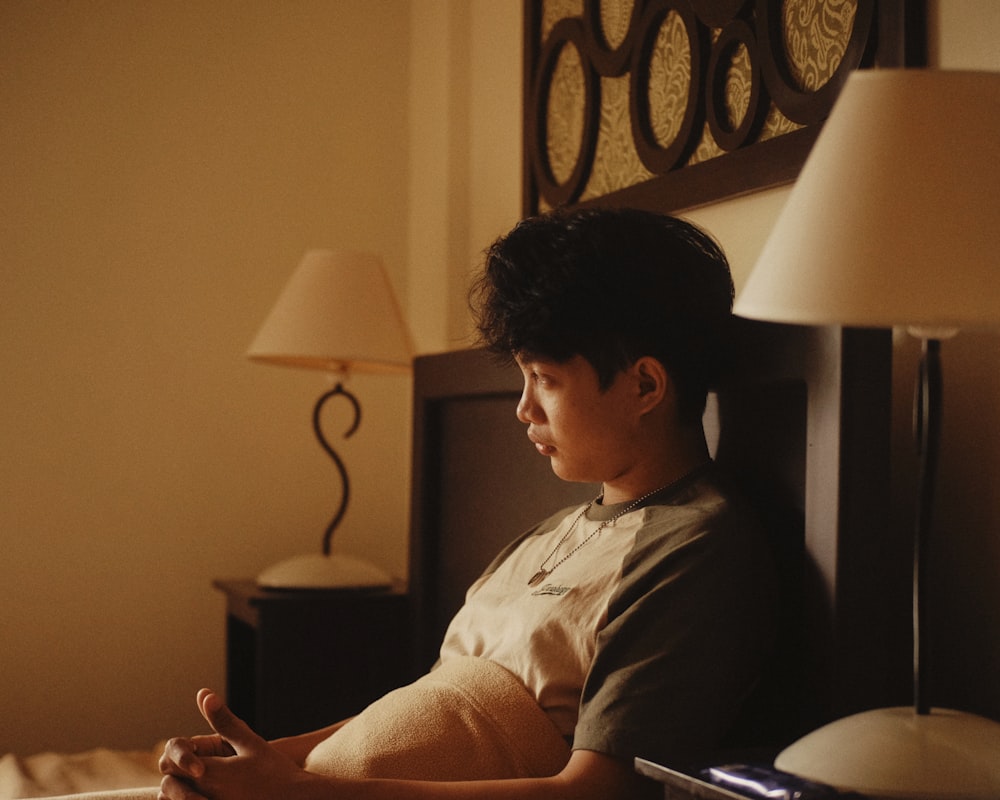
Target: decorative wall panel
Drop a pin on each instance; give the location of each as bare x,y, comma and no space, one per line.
674,103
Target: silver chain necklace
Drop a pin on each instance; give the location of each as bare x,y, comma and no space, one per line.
543,573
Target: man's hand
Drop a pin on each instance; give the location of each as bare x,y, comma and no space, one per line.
236,764
233,764
182,757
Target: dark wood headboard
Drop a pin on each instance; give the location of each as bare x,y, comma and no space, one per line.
803,425
477,482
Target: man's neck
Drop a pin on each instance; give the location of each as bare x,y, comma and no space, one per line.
666,467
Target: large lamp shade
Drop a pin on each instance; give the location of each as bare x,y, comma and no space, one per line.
895,218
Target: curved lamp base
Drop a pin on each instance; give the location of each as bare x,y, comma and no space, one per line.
317,571
896,753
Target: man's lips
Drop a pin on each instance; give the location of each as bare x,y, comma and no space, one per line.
542,447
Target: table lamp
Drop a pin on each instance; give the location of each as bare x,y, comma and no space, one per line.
894,221
337,313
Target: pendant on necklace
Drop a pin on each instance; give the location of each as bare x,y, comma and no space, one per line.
538,577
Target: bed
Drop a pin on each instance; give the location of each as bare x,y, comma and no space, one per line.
802,423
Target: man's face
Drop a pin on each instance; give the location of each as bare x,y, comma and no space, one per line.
587,434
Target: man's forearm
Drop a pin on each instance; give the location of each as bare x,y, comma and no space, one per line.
299,747
588,776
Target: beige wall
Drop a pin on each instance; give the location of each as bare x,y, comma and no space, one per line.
966,555
465,140
166,168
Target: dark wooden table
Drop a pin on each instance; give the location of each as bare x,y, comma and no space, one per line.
297,660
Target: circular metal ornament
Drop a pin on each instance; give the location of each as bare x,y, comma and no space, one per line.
566,33
660,158
610,58
729,136
806,107
718,13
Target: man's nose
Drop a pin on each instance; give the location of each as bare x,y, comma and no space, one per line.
527,410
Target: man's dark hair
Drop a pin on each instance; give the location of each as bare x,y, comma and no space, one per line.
610,285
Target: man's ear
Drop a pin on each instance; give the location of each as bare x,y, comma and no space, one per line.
653,382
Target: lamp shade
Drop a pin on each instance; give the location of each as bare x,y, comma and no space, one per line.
336,313
895,217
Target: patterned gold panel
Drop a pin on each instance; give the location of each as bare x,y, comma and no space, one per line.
669,79
815,34
739,80
565,114
763,69
615,16
616,164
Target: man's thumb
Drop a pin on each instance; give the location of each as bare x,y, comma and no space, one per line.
225,723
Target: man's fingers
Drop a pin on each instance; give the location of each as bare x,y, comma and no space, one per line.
224,722
180,756
173,789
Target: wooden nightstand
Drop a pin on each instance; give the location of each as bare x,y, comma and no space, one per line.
300,660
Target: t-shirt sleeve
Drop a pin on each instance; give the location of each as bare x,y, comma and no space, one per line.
686,637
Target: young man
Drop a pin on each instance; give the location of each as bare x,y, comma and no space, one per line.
636,622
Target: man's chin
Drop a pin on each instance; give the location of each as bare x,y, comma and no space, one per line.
563,472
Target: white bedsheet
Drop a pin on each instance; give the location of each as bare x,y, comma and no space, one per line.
56,774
